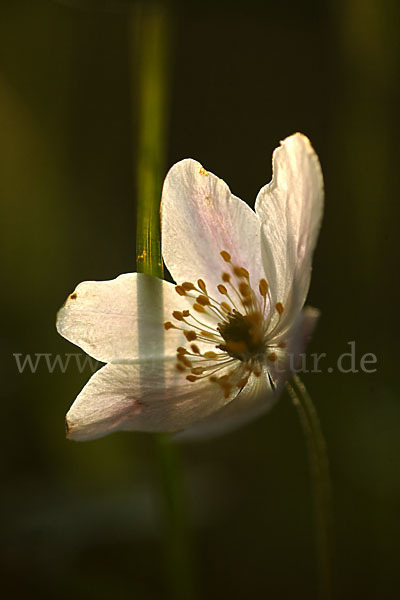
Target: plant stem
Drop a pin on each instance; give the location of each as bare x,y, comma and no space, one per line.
152,28
319,467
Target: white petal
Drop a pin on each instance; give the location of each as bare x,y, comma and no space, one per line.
200,218
290,208
149,395
256,398
118,319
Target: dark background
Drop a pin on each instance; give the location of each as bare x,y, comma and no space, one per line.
81,520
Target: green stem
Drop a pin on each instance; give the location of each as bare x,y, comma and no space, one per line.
320,481
152,28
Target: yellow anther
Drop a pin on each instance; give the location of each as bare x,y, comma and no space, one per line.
191,378
202,286
169,325
244,289
203,300
197,370
179,290
199,308
202,171
263,287
190,335
279,307
240,272
226,277
177,315
226,307
185,361
195,349
222,289
210,354
272,357
226,256
187,286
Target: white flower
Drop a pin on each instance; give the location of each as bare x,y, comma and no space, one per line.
211,352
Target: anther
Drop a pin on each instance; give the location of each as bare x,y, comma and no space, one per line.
191,378
240,272
203,300
197,370
210,354
190,335
185,313
180,367
226,256
187,286
279,307
263,287
169,325
195,349
199,308
226,277
244,289
181,350
202,286
226,307
177,315
272,357
179,290
222,289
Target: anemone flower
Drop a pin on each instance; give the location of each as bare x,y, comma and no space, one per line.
214,350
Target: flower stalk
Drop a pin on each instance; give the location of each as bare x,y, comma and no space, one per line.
152,28
321,484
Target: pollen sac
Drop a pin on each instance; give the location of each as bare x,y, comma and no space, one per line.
226,256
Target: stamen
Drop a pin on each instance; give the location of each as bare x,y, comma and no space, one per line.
222,289
190,335
226,307
226,256
203,300
177,315
202,286
199,308
180,290
279,307
240,272
244,289
263,287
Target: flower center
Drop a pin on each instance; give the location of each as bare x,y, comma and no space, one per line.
236,328
243,335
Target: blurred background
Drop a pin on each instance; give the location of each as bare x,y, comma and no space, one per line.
83,520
